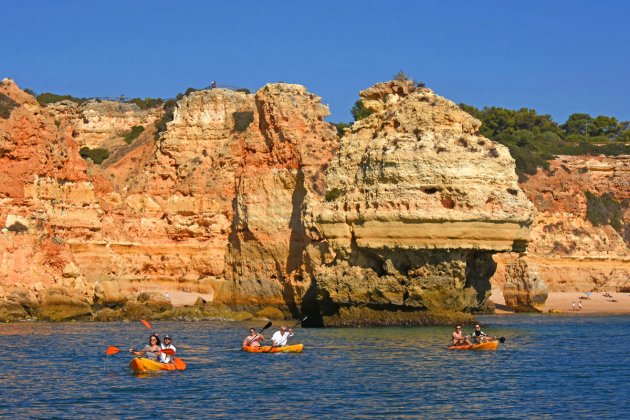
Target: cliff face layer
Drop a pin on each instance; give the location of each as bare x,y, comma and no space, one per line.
417,204
252,202
574,243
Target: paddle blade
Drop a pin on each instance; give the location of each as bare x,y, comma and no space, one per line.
502,339
168,352
267,325
112,350
146,324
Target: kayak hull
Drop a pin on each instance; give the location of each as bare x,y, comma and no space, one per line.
489,345
143,365
296,348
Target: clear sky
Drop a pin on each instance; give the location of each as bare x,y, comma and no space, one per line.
557,57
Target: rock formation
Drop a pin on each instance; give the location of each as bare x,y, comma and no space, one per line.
253,203
572,254
417,204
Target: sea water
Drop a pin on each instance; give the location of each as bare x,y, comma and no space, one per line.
549,366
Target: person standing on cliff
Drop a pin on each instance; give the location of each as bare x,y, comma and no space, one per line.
458,338
253,339
573,306
280,338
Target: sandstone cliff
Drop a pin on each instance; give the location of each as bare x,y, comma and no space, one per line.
572,254
253,203
417,204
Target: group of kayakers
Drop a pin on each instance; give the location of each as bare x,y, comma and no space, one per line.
278,339
477,336
155,349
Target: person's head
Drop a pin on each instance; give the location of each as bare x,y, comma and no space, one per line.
283,328
477,326
154,340
458,327
167,339
252,331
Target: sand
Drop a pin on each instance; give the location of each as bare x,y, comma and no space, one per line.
561,302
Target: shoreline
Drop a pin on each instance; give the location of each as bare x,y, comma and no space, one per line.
562,303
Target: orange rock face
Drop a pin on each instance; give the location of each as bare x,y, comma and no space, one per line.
571,252
243,200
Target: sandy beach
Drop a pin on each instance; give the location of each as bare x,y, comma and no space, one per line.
562,302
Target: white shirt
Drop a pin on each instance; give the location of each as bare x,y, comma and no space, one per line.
279,339
165,358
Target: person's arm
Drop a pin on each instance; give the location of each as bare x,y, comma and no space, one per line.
138,352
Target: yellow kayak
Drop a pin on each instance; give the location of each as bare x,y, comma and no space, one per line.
488,345
143,365
295,348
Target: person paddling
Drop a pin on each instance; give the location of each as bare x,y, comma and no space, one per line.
167,345
253,339
479,336
280,338
458,338
150,351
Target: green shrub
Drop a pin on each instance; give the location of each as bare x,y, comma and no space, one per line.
133,134
243,90
97,155
359,111
147,103
605,210
242,120
6,106
17,227
169,109
333,194
341,128
50,98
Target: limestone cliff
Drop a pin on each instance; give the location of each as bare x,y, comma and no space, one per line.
252,202
417,204
572,254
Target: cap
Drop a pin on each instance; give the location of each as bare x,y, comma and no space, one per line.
167,337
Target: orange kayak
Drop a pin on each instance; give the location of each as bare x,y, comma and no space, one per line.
488,345
296,348
143,365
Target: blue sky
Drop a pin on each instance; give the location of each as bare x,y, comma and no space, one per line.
557,57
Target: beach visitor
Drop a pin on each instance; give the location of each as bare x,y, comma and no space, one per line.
253,339
167,345
458,338
151,350
279,338
579,305
573,306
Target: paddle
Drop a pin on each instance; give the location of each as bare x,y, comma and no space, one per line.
146,324
113,350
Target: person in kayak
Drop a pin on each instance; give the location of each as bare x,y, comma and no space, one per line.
165,358
458,338
253,339
280,338
479,336
150,351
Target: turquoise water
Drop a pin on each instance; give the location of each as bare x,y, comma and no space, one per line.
554,366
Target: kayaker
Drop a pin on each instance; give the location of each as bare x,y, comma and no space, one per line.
165,358
279,338
458,338
253,339
150,351
479,336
